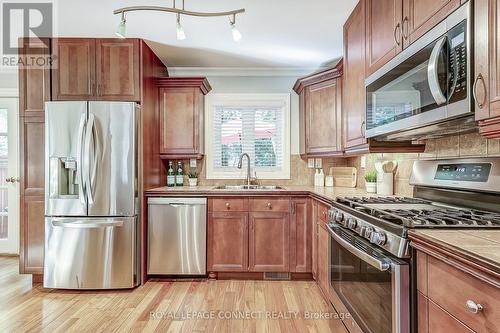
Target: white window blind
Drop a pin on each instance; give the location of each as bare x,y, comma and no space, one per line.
256,127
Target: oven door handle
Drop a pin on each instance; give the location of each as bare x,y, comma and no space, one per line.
381,265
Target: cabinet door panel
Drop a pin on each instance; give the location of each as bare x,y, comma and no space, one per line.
421,16
32,157
353,92
117,69
32,235
300,236
34,80
383,32
269,242
73,74
441,321
323,264
315,225
323,118
228,242
180,122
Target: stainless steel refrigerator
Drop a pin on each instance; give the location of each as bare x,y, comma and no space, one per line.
91,203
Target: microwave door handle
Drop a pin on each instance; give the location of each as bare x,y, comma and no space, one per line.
79,158
381,265
432,72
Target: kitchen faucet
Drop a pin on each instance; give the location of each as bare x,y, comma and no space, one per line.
240,164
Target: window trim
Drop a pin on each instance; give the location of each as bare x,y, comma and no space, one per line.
213,100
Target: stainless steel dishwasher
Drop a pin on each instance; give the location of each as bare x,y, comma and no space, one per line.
177,236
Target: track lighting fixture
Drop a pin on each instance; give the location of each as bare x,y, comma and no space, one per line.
181,35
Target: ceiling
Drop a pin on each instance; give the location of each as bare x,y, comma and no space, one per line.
276,33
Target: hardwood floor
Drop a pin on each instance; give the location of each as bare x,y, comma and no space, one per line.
235,306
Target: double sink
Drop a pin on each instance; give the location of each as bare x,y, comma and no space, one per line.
249,187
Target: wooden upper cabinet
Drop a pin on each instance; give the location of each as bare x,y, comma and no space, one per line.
96,69
300,235
182,117
117,69
353,93
227,242
487,66
268,242
320,113
420,16
73,71
384,37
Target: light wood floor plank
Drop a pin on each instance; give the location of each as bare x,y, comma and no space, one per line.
236,306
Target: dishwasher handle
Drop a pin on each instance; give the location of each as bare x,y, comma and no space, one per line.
176,201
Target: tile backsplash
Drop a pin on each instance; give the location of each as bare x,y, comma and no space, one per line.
465,145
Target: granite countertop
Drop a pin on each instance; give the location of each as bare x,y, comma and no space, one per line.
326,193
482,246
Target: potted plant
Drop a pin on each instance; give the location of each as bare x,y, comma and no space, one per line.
371,181
193,177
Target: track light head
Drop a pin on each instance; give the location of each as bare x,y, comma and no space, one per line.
235,32
122,27
181,35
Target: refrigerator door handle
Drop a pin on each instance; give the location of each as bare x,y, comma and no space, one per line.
79,158
74,223
88,138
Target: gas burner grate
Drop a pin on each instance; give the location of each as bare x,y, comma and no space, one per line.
437,216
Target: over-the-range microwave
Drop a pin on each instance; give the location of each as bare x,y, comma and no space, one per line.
425,91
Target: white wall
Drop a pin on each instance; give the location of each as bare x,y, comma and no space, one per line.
248,83
8,78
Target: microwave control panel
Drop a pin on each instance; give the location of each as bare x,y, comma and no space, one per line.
457,53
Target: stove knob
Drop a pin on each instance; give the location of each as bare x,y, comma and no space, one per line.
331,214
339,217
352,223
368,231
378,238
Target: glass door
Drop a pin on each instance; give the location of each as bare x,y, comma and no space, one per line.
9,176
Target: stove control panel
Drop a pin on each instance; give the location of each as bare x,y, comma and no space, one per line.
375,235
465,172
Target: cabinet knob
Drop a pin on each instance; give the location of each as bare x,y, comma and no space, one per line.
473,306
228,206
269,205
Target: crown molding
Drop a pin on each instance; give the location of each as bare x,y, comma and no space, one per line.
242,71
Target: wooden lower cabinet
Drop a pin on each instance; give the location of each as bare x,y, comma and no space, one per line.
444,291
323,275
228,242
268,242
300,236
314,250
261,234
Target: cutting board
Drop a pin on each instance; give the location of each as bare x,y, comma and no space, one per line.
344,176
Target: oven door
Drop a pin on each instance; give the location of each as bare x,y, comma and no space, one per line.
373,286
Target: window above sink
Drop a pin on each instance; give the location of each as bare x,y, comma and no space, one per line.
256,124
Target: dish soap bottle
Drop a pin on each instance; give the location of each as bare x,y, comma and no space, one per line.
179,178
170,175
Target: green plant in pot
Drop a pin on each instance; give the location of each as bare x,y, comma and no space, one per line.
193,177
371,181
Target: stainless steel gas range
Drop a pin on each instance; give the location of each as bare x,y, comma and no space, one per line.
372,266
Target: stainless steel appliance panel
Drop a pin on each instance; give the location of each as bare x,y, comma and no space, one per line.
64,130
110,159
357,268
428,83
177,236
90,253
